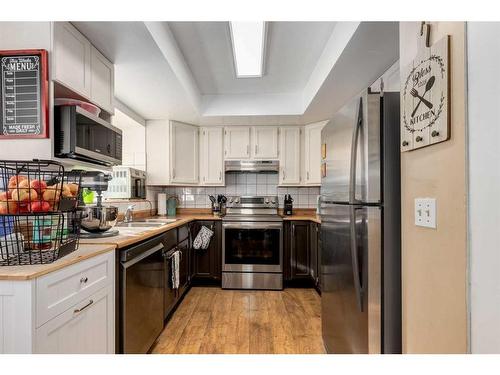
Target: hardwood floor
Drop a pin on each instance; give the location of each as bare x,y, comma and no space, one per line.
212,320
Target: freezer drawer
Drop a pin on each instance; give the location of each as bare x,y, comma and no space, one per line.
351,278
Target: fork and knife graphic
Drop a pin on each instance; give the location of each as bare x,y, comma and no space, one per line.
415,94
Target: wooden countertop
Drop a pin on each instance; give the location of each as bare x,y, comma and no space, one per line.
34,271
129,236
96,246
303,217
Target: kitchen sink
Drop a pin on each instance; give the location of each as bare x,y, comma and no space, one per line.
138,225
145,223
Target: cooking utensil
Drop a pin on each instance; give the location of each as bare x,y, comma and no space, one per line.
97,219
415,94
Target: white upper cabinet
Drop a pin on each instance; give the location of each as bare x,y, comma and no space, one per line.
290,155
157,152
211,156
312,153
237,142
183,153
81,68
265,142
102,81
71,62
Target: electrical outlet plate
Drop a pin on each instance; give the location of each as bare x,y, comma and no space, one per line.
425,212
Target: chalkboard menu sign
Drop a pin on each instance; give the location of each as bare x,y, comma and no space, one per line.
24,94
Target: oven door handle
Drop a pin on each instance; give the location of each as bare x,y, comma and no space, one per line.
254,225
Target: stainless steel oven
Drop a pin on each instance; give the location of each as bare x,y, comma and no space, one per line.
252,244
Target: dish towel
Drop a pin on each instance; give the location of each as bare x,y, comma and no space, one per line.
202,240
176,258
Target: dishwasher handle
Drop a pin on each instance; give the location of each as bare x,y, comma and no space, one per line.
143,255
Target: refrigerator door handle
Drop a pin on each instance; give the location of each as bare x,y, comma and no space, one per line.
354,154
354,256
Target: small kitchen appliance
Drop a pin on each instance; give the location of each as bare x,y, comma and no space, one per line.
288,205
98,219
80,135
252,243
127,183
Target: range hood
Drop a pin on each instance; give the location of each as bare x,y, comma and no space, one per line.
252,166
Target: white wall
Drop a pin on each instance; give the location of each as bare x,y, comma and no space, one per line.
483,43
28,35
134,140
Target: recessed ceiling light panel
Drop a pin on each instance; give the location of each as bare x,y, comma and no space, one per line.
248,40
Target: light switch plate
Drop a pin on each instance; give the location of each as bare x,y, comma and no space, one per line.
425,212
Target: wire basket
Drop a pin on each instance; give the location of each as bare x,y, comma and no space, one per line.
39,220
38,238
37,186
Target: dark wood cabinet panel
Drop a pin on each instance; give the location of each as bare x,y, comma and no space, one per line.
184,266
207,263
300,259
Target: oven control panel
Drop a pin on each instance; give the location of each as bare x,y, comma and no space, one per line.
251,201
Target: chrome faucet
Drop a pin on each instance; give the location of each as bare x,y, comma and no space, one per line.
129,214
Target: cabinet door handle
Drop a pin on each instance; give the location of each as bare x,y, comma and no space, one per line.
308,176
248,149
284,174
76,311
220,175
255,149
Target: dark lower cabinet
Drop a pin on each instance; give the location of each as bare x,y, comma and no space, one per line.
300,257
301,253
206,264
184,266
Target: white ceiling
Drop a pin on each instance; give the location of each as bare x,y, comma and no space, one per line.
184,70
144,81
292,51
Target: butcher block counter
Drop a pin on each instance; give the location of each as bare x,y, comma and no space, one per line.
33,271
131,236
302,214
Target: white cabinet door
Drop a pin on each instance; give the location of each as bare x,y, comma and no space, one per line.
158,152
183,153
102,81
265,142
71,62
312,152
211,156
290,155
85,328
237,142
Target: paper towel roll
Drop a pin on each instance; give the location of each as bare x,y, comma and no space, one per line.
162,204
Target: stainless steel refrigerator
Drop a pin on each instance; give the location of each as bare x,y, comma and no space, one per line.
360,227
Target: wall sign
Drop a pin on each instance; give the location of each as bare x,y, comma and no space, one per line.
425,97
24,94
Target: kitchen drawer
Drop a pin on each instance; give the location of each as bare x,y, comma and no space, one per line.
85,328
58,291
183,233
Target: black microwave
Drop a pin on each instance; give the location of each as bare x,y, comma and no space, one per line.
80,135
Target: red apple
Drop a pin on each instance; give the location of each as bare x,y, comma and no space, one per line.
7,205
24,195
5,196
40,206
15,180
39,186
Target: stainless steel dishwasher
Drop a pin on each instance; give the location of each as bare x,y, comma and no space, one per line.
142,277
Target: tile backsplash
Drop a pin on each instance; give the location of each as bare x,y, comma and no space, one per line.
239,184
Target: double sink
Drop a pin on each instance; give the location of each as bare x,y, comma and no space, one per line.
145,223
